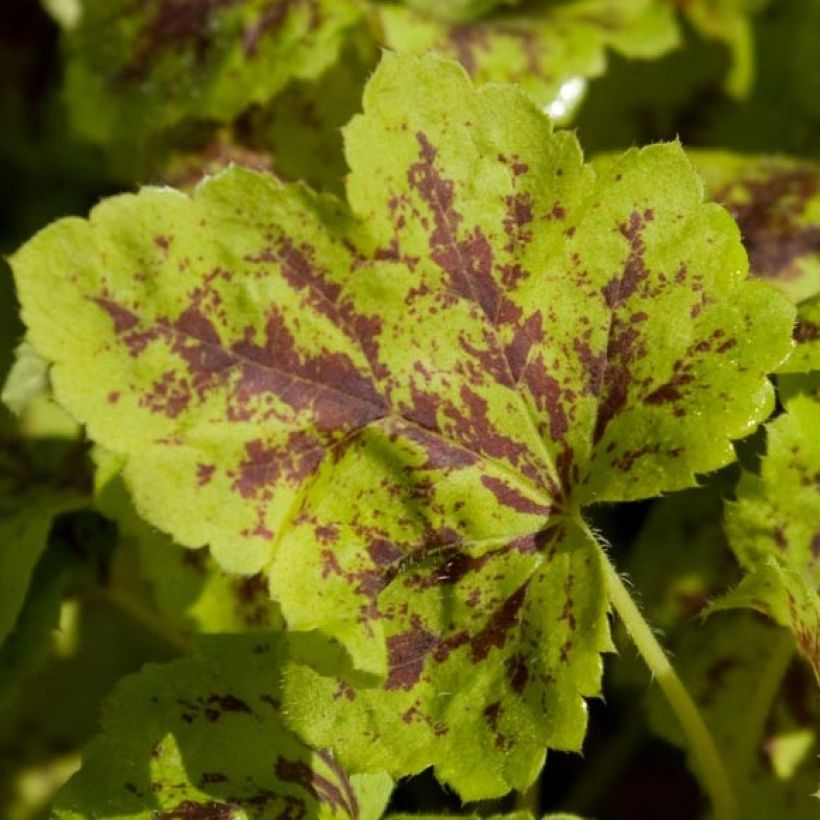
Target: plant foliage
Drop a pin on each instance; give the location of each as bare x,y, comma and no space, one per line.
320,457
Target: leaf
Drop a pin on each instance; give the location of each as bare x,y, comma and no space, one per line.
203,736
806,355
549,49
762,710
29,503
135,70
774,528
776,203
387,404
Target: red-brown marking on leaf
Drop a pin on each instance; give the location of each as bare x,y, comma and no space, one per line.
468,263
622,351
619,289
190,810
510,497
124,320
768,217
174,24
384,553
339,394
517,671
492,714
322,789
406,653
671,391
518,351
496,631
474,430
265,465
546,392
204,473
806,331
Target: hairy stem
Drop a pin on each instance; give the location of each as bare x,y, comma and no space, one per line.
705,756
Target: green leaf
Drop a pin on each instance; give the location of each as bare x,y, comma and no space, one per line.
549,49
29,503
762,710
397,407
806,355
774,528
135,70
203,736
776,203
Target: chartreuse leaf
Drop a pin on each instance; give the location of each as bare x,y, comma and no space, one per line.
763,710
548,48
776,203
397,407
203,737
806,355
774,527
136,69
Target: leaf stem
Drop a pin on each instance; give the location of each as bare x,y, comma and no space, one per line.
706,758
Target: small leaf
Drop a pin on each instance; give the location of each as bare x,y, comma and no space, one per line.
136,69
757,704
774,527
806,355
202,737
776,203
549,49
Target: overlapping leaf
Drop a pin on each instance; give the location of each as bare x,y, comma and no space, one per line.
547,48
763,712
203,737
399,407
774,527
776,203
136,69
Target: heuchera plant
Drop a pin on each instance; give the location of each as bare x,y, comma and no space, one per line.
346,457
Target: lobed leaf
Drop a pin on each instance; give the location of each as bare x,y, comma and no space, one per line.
549,49
137,69
203,737
776,203
774,528
762,709
397,407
